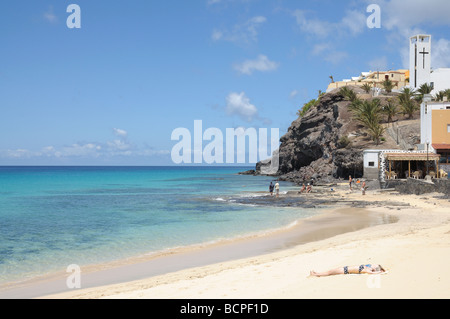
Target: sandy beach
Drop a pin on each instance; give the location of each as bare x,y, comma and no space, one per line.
414,250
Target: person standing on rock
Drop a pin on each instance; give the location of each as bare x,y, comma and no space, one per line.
271,188
277,188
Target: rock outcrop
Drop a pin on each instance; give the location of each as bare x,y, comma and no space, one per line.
313,146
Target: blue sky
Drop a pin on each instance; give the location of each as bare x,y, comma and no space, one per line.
113,91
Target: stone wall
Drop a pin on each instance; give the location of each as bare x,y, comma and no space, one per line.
419,187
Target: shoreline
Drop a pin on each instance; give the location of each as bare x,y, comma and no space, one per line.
412,249
328,222
402,216
323,225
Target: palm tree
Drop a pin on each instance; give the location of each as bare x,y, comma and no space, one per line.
376,132
355,106
440,96
388,85
447,94
425,88
367,113
348,94
407,103
366,87
390,109
332,79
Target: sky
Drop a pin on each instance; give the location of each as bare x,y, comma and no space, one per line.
113,91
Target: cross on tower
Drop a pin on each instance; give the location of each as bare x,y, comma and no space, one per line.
423,53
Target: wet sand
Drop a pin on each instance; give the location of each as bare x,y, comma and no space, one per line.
328,224
408,234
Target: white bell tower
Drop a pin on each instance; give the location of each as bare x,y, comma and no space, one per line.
419,60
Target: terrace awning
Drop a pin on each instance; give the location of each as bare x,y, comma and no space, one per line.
412,156
441,146
423,157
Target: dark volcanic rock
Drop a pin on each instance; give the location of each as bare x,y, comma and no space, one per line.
311,149
419,187
249,172
348,162
311,137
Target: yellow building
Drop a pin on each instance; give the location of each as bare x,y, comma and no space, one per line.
399,79
435,130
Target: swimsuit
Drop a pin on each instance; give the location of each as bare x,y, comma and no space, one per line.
361,268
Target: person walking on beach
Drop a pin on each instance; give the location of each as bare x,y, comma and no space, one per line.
271,189
350,182
303,188
362,269
363,188
277,189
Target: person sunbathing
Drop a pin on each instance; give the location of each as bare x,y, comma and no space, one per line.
371,269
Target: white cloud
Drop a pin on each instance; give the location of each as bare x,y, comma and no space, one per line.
92,150
49,15
329,33
118,145
216,35
403,20
239,104
440,53
329,53
261,63
396,14
120,132
79,150
353,23
18,153
244,33
312,26
293,94
321,48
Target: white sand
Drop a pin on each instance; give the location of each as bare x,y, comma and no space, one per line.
415,250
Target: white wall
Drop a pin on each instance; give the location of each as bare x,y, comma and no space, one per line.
441,80
371,156
418,44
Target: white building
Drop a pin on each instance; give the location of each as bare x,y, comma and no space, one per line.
372,163
440,80
420,66
419,60
435,126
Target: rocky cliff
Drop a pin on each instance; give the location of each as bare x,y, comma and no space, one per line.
313,147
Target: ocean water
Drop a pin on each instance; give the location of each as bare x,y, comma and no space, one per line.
51,217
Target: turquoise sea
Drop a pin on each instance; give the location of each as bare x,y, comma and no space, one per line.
51,217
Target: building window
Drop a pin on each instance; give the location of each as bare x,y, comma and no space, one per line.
371,164
448,128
